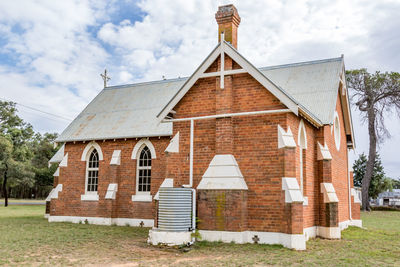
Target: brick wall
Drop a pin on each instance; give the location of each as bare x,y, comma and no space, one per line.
73,179
251,139
222,210
254,145
339,165
310,169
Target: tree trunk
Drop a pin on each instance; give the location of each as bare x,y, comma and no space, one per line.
5,187
371,160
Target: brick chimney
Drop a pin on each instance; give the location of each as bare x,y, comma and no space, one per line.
228,22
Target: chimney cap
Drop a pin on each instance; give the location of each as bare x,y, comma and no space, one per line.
227,13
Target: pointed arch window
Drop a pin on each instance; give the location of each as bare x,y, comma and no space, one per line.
302,142
92,172
143,181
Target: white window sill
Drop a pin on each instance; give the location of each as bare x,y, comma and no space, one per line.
90,197
305,202
142,198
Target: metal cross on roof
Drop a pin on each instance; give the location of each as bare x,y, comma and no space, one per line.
105,78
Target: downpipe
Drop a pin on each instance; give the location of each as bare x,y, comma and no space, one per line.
193,217
190,185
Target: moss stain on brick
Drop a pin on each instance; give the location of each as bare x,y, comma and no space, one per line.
219,211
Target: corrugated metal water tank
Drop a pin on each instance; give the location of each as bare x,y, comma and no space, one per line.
175,209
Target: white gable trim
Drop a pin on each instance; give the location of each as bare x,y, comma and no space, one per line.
221,49
139,145
88,147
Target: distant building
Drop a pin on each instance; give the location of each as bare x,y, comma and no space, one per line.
389,198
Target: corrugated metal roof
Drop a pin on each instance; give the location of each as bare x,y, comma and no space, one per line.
313,84
124,112
130,110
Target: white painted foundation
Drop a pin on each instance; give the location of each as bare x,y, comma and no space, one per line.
294,241
329,232
168,238
345,224
103,221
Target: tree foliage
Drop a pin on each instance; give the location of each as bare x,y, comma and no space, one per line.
379,182
23,156
375,95
396,183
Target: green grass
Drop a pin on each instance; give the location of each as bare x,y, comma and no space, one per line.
26,238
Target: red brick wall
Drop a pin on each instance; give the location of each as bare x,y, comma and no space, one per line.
223,210
310,170
339,165
355,207
73,176
254,145
253,140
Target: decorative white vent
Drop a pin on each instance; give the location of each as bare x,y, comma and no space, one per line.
329,193
57,172
116,157
285,139
323,152
173,146
168,182
292,190
111,191
64,161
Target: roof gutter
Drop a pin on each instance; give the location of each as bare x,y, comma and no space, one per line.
317,123
109,138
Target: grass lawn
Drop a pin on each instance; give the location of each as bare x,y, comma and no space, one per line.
26,238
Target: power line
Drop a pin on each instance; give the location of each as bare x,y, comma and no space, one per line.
38,110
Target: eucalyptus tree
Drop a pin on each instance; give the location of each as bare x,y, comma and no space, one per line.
15,153
376,95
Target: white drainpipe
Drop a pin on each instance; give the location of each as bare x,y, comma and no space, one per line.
193,215
190,156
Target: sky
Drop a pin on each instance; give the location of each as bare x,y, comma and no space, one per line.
52,52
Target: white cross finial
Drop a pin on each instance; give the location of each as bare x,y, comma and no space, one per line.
105,78
222,37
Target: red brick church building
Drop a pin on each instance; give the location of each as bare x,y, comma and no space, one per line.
262,153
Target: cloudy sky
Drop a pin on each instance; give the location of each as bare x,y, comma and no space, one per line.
52,52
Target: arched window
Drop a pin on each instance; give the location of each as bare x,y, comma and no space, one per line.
302,141
92,172
336,130
143,175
